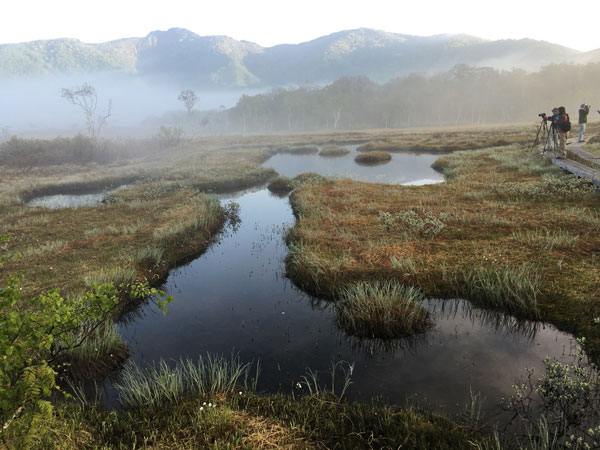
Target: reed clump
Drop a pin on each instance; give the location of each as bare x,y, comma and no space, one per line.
300,149
505,287
333,151
381,309
373,157
155,386
280,185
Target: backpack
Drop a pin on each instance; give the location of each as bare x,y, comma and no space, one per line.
564,123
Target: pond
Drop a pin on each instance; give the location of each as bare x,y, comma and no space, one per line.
58,201
235,297
403,168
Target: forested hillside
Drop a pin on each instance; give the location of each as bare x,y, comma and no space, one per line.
462,96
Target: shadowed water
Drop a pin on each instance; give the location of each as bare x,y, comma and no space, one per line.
235,296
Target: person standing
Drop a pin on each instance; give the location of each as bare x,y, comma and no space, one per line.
553,132
584,110
564,126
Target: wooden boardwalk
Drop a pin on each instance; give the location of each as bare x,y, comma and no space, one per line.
589,171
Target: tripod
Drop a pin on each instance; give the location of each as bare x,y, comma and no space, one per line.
550,134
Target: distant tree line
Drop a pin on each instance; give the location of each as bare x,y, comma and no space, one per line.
464,95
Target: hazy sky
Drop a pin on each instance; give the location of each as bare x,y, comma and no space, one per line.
271,22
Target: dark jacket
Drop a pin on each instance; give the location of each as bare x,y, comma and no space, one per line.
563,119
583,113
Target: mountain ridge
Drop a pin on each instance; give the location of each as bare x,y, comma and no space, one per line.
180,56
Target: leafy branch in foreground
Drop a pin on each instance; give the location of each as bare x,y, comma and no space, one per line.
34,335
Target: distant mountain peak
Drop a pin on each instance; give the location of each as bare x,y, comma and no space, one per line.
180,56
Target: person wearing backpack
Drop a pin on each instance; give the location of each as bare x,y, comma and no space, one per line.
584,110
564,126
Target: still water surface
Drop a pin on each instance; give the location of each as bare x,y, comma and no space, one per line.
235,296
58,201
403,168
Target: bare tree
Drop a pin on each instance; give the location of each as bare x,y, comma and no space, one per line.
189,99
86,98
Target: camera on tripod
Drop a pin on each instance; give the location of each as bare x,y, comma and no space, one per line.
547,131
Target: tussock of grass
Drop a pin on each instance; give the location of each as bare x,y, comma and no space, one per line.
374,157
546,239
501,286
411,223
150,255
332,151
280,185
156,386
307,178
299,149
381,309
41,250
119,276
33,220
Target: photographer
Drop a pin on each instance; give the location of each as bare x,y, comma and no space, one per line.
553,118
563,125
584,110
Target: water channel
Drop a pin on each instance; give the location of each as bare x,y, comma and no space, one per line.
235,297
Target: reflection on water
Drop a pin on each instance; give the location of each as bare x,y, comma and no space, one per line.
67,201
236,297
71,200
403,168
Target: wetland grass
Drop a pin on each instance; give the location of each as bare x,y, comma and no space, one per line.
381,309
164,210
170,408
378,157
155,386
492,249
504,287
333,151
280,185
299,149
98,353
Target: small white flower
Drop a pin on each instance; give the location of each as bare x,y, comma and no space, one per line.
204,404
202,408
298,385
241,393
210,405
